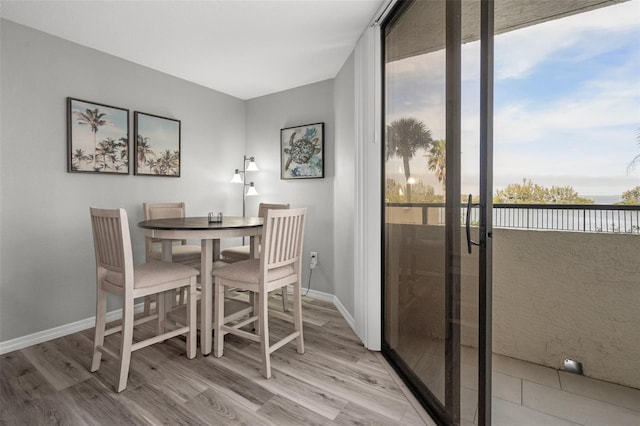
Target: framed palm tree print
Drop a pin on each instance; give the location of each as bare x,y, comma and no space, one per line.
302,152
157,145
97,138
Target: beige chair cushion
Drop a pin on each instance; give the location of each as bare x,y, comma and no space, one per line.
180,253
249,271
154,273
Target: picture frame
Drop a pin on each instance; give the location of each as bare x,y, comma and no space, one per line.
97,138
302,152
157,145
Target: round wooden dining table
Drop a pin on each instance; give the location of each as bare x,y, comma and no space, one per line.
209,233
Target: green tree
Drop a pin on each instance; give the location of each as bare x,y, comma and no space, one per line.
421,193
94,119
530,193
437,161
631,196
393,192
404,137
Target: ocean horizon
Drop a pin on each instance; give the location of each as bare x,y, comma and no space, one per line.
604,199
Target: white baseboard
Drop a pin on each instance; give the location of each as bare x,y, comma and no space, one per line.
74,327
345,314
314,294
63,330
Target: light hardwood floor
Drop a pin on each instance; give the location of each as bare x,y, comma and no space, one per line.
337,381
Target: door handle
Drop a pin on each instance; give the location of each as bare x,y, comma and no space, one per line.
470,242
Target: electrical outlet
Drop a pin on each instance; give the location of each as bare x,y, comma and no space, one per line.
313,262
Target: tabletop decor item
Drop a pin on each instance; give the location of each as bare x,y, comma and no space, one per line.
215,218
302,152
157,145
97,138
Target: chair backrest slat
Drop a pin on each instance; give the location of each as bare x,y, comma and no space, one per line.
283,235
112,242
263,208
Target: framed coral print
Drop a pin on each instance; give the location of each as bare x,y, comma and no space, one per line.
302,152
97,138
157,145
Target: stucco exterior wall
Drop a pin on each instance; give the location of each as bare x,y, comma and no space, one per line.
556,295
571,295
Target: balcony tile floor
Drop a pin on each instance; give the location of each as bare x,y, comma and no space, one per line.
530,394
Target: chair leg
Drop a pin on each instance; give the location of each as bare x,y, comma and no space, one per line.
181,295
255,303
284,298
218,318
297,316
98,340
191,312
125,344
147,305
161,311
263,323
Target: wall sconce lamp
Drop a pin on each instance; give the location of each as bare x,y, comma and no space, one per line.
248,165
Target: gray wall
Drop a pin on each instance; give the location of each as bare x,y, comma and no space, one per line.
47,272
344,185
266,115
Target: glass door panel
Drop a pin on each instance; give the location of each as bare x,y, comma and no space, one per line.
415,183
435,142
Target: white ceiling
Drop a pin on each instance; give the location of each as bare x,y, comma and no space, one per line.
243,48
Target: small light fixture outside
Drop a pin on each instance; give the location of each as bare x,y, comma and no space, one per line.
252,190
573,366
411,180
252,167
236,177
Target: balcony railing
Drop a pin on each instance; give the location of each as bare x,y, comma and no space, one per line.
564,217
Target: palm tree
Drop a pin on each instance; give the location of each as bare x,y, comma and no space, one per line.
78,157
123,145
404,137
437,162
167,163
93,118
144,151
111,147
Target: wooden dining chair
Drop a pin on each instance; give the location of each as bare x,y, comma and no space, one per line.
280,265
116,274
180,252
240,253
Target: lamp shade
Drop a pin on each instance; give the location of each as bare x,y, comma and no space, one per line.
252,166
236,177
252,190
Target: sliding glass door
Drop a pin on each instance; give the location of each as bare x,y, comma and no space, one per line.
437,204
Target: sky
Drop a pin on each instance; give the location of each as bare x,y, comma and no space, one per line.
162,133
566,103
